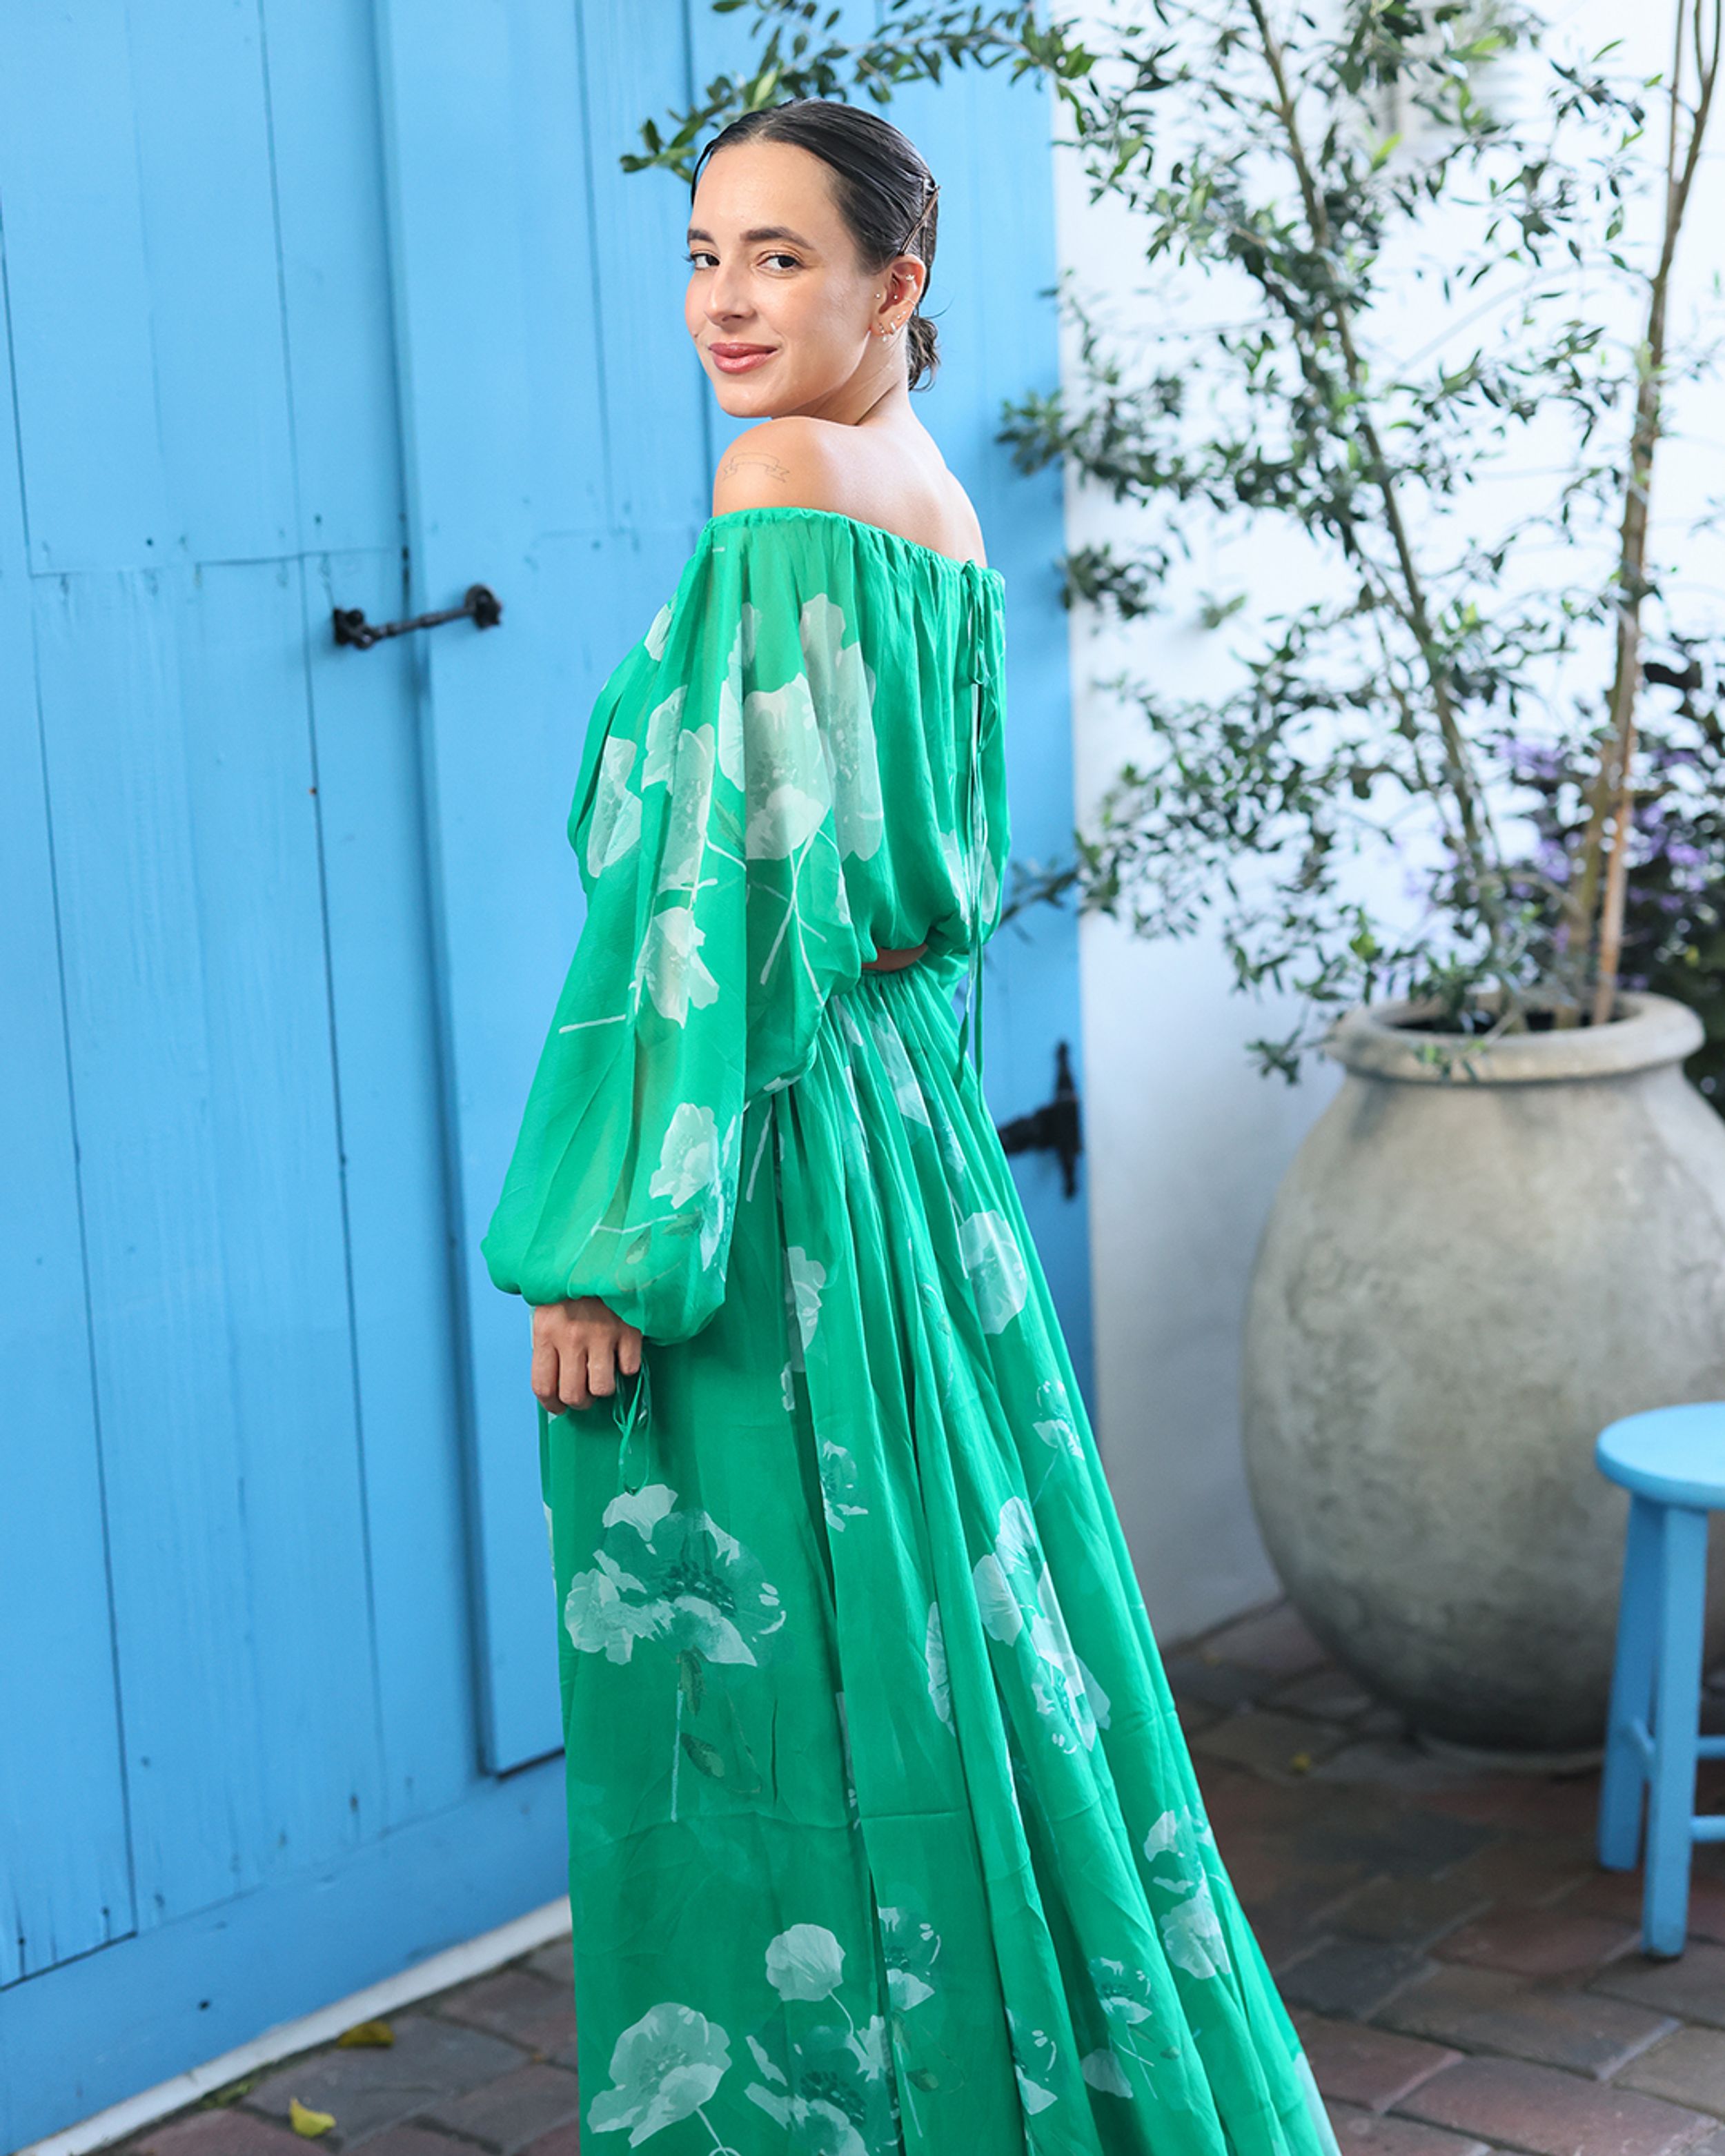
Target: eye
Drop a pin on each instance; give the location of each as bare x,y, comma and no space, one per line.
697,256
795,261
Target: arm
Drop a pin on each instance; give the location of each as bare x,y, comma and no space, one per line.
722,784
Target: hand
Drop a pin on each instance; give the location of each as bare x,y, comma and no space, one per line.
579,1348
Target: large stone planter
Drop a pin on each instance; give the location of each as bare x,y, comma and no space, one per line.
1461,1280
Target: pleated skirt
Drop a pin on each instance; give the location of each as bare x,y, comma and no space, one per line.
884,1838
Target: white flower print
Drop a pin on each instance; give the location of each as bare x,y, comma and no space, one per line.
805,1963
658,630
1103,2070
603,1612
1002,1618
676,1577
1016,1598
1100,1706
730,737
1055,1426
690,807
688,1157
789,791
664,722
664,2068
910,1949
805,1278
615,824
835,2083
1191,1929
999,1279
1034,2058
694,1161
899,1076
844,689
1123,1993
840,1482
988,886
672,968
934,1652
953,853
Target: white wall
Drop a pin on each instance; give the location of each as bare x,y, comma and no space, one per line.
1185,1143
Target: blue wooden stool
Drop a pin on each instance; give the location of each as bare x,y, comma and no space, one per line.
1672,1461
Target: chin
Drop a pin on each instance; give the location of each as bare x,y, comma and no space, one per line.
738,402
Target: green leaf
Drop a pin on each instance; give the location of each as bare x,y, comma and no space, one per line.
706,1756
690,1679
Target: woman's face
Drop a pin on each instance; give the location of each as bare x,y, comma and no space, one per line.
780,305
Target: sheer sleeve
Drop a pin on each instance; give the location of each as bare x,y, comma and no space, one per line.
730,767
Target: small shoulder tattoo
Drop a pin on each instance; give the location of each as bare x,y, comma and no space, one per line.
735,464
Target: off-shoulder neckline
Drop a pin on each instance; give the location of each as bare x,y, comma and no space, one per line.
857,523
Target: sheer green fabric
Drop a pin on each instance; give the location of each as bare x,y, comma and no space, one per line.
884,1839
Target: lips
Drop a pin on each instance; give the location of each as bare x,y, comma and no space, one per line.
739,358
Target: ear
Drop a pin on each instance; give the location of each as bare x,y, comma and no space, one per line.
903,282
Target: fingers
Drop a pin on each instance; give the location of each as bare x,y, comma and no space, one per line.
574,1388
601,1368
576,1363
544,1377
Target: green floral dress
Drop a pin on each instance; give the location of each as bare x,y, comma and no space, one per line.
883,1834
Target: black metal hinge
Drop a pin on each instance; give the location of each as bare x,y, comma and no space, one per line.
1054,1127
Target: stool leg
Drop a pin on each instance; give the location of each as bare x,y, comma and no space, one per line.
1677,1716
1626,1774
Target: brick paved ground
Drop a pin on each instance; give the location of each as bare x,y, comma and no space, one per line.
1466,1977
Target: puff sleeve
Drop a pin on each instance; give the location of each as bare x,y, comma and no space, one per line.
729,769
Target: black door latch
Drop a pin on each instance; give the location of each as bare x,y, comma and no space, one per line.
1054,1127
478,604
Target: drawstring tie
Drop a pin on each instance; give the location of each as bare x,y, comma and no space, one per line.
970,1034
632,1414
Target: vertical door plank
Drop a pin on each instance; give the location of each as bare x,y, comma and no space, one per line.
365,708
178,772
656,393
215,294
65,1879
462,317
326,156
124,860
500,311
143,282
274,1140
321,68
79,291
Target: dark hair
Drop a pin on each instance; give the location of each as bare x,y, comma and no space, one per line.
885,194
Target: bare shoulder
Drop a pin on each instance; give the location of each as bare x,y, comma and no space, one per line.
781,464
801,463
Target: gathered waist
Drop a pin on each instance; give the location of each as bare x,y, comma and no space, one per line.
893,962
919,988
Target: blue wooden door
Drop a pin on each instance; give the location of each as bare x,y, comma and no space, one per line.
314,303
550,291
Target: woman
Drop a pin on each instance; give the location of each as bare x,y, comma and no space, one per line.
878,1841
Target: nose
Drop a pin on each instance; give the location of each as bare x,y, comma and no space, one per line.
725,296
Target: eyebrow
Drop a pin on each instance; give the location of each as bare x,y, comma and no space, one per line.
756,233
